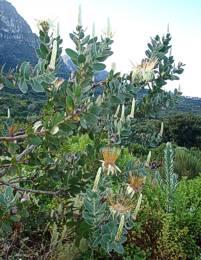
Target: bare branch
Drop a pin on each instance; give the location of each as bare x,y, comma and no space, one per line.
18,158
13,138
25,152
15,187
19,137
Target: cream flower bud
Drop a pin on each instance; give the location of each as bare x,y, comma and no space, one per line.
148,158
162,129
80,16
54,52
8,114
137,207
132,110
97,179
117,111
122,113
120,228
93,30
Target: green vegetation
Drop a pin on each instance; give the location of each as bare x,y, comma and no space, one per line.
184,130
78,179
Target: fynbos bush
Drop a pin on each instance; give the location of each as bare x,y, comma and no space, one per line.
51,163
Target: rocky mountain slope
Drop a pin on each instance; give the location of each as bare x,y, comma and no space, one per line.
17,42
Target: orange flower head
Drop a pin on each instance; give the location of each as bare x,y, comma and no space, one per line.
11,131
110,155
136,183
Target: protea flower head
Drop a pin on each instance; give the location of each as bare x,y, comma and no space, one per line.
135,184
44,25
144,71
120,204
110,155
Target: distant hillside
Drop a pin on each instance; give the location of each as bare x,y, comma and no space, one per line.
188,105
17,42
184,104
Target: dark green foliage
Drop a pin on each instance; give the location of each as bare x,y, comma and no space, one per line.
172,235
184,130
187,162
8,211
21,105
146,133
187,214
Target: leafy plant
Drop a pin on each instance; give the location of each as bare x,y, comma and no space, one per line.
187,163
53,159
168,182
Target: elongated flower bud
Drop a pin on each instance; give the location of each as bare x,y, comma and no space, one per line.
108,27
168,28
162,129
98,100
54,52
132,108
148,158
117,111
122,113
8,114
53,56
1,86
113,67
120,228
137,207
119,127
80,16
58,30
93,30
97,179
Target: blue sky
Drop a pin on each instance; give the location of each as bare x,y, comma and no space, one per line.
133,23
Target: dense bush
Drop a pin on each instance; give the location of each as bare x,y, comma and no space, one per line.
72,185
173,235
187,162
184,130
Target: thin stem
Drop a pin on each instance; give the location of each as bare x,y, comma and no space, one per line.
30,190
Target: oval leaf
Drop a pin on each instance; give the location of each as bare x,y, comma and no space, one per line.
23,86
36,86
99,66
81,59
72,54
